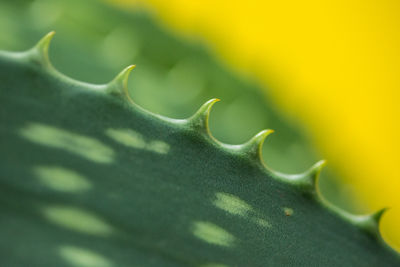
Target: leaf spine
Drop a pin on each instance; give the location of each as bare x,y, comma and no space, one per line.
312,175
39,54
119,85
370,222
307,180
199,121
252,149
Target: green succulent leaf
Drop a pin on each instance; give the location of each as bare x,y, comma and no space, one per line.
88,178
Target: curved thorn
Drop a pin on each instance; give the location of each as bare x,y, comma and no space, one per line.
370,223
199,121
306,180
311,176
377,216
39,54
119,85
253,147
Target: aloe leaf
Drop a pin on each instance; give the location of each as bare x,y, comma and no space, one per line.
89,178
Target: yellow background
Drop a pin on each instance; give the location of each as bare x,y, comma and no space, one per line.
335,65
